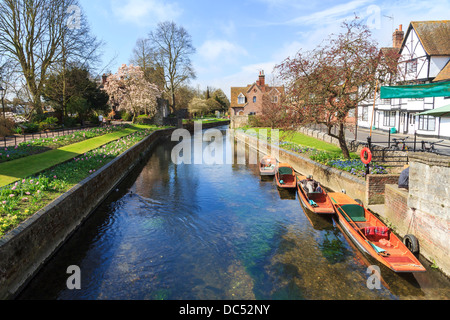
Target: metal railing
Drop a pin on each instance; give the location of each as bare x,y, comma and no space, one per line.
12,141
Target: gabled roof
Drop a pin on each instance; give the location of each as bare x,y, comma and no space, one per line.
434,36
444,74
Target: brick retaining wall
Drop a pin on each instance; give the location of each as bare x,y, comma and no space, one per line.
375,187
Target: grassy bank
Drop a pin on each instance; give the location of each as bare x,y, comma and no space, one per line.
320,151
23,198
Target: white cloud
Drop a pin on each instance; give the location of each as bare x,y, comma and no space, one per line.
222,51
331,15
145,12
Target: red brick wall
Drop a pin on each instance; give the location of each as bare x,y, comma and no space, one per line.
375,187
254,106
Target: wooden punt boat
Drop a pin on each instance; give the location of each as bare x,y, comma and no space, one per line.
285,176
268,166
317,201
372,237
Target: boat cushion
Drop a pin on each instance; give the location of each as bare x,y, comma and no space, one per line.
285,170
354,211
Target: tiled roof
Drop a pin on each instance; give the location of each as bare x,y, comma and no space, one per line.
434,36
235,91
444,74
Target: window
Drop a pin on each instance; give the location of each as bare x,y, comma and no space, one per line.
411,66
254,99
427,123
364,113
389,119
241,99
275,99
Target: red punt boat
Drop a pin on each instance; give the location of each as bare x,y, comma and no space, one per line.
316,201
285,176
372,237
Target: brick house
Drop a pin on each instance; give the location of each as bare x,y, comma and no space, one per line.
249,100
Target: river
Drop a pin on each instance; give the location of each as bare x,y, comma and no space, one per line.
215,231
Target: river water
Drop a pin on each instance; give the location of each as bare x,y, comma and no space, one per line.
218,231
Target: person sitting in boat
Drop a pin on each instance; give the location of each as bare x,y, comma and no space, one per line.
309,185
319,188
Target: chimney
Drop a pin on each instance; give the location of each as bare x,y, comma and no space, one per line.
104,78
397,37
262,79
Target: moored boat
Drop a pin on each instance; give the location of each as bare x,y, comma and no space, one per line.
372,236
268,166
313,196
285,176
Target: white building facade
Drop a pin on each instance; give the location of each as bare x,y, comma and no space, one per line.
424,58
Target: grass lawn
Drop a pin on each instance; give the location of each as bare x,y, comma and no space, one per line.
21,168
24,197
304,140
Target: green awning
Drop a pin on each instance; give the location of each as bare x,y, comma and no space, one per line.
438,112
440,89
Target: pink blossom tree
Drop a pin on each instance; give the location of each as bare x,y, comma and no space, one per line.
130,91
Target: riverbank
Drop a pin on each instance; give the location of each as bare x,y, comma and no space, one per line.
25,249
372,190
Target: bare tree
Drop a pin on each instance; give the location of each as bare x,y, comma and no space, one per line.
172,46
325,84
144,57
39,34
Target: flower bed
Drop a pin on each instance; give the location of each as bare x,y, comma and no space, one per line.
20,200
44,144
353,166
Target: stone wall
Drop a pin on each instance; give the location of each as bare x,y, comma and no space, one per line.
238,121
331,178
424,209
429,205
25,249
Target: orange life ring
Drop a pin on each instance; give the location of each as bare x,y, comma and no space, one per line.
369,156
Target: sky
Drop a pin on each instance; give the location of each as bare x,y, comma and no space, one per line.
236,39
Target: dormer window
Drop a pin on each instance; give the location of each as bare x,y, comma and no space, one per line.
241,99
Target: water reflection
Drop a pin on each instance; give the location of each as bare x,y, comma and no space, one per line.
214,232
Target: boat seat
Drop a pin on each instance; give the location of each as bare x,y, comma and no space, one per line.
354,211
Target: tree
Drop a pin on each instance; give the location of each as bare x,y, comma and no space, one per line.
198,105
324,84
128,90
38,34
222,99
274,114
172,48
81,94
145,57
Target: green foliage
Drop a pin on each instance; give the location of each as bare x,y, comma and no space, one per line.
126,116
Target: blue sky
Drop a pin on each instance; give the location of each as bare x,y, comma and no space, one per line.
235,39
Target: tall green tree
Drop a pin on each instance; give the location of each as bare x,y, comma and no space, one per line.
73,91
